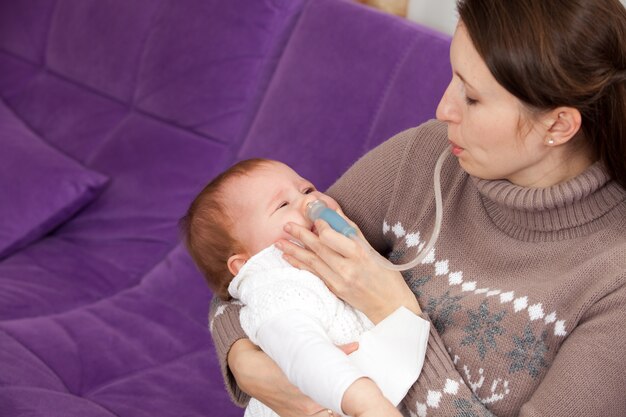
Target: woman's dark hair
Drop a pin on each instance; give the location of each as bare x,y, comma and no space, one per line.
551,53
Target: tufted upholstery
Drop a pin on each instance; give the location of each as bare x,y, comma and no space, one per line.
106,315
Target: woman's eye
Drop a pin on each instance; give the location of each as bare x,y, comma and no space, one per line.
470,101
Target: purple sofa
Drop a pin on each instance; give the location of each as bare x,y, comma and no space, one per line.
113,115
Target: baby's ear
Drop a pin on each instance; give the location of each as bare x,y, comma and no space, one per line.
235,263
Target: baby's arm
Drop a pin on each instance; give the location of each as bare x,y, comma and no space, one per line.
301,348
364,399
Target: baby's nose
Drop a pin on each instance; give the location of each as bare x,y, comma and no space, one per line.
308,199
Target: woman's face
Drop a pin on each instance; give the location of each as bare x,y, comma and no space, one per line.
486,125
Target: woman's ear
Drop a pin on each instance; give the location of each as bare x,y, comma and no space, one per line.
564,123
235,263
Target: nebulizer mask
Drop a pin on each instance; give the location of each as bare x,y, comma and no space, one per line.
318,210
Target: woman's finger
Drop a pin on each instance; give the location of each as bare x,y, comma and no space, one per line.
348,271
302,258
289,248
310,239
334,258
326,413
319,254
344,246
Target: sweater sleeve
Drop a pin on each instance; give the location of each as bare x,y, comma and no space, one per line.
226,329
587,377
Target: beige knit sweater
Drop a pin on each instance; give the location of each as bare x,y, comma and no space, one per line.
525,288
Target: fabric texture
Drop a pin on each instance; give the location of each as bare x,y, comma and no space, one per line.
520,286
41,187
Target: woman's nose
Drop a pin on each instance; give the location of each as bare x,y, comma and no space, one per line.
446,110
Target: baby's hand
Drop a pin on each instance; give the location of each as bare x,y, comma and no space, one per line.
363,398
348,348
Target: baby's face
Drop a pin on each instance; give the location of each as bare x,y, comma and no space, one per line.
266,200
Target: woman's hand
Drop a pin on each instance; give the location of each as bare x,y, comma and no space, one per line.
259,376
348,270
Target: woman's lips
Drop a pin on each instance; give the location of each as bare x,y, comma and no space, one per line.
456,149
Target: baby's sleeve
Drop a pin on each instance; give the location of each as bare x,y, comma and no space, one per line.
287,313
302,349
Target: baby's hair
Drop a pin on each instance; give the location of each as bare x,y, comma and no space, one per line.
206,228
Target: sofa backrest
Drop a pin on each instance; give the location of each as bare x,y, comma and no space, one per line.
316,83
160,96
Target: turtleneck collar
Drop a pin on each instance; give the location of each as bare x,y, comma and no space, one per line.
577,207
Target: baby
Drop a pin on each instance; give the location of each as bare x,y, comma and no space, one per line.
230,229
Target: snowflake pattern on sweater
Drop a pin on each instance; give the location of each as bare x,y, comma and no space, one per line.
485,331
520,303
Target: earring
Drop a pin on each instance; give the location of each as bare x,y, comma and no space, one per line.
550,141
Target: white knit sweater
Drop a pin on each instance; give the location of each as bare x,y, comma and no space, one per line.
269,286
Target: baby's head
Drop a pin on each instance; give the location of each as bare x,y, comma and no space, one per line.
241,212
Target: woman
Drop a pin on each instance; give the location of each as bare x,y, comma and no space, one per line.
526,287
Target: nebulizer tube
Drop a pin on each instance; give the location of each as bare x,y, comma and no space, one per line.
318,210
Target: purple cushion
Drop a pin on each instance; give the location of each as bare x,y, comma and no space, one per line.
45,187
